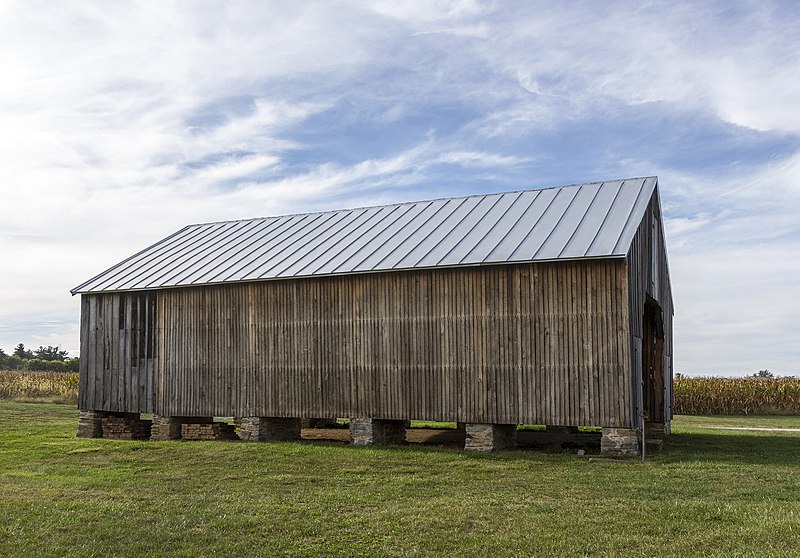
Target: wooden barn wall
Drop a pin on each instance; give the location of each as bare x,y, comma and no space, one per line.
649,276
530,344
118,352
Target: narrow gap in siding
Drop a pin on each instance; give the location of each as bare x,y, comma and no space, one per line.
531,336
570,378
552,341
420,395
466,372
480,350
552,336
622,381
487,343
460,343
574,376
566,344
591,289
602,331
132,364
587,270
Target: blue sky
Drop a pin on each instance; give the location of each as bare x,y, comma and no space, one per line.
122,122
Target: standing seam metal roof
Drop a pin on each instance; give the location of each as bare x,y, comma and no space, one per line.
596,220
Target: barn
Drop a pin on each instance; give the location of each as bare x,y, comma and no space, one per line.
548,307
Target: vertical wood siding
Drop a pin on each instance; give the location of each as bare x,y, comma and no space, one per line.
118,352
648,276
542,343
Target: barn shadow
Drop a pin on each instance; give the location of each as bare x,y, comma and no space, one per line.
757,448
449,438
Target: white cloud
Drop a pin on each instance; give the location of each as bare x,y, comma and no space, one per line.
427,11
742,68
474,159
735,270
122,122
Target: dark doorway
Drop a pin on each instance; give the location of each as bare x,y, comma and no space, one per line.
653,363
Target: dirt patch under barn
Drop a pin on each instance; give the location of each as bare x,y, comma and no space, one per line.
451,438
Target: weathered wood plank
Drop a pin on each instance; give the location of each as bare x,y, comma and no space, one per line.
544,343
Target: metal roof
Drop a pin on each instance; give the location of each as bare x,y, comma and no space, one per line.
595,220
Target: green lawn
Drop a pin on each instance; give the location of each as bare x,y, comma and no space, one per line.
684,422
711,493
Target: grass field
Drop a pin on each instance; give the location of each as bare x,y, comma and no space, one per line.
711,493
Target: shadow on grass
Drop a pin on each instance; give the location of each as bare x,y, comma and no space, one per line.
731,446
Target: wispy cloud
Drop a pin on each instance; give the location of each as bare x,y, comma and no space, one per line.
122,122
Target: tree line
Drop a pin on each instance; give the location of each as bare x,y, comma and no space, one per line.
49,359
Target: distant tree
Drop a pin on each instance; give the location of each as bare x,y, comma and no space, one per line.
764,374
50,353
11,362
2,353
36,364
21,352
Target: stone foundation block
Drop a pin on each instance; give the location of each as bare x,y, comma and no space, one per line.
125,426
250,429
379,432
167,428
269,429
490,437
90,424
619,442
208,431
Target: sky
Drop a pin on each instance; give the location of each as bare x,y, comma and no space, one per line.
121,122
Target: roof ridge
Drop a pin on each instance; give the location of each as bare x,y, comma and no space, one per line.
430,200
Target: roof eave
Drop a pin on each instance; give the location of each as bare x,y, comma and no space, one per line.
614,256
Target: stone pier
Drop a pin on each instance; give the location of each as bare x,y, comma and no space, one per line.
167,428
125,426
112,425
269,429
208,430
619,442
90,424
367,432
490,437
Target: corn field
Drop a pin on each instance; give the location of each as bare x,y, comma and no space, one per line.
737,396
693,396
51,387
